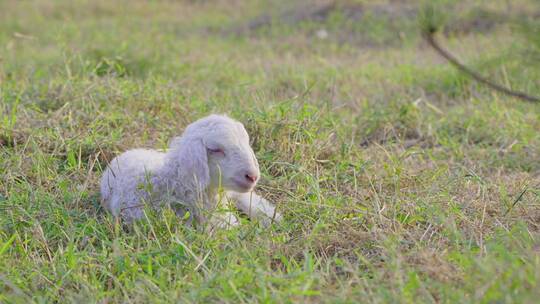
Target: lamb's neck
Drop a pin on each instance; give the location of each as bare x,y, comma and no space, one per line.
171,179
167,175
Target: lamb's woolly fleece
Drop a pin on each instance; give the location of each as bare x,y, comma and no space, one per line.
189,175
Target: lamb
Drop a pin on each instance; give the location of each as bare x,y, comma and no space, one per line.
210,165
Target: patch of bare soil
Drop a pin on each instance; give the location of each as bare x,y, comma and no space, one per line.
322,12
395,14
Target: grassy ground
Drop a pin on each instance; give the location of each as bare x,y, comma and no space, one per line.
400,179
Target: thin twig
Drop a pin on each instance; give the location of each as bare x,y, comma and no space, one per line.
429,37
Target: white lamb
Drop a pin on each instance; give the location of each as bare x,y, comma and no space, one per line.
213,154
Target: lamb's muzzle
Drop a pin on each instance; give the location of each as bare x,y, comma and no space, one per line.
213,153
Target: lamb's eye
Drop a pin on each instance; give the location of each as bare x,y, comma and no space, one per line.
216,151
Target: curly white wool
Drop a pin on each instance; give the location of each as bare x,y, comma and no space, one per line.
213,153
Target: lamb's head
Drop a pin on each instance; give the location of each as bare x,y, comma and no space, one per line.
215,151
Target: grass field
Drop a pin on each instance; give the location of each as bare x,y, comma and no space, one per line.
400,179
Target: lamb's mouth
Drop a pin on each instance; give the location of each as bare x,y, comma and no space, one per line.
244,186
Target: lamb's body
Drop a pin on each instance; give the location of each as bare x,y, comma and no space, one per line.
127,179
212,153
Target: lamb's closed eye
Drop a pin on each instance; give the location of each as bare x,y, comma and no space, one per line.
216,151
212,152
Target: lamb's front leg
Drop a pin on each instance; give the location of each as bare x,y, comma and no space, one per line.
223,220
220,215
256,207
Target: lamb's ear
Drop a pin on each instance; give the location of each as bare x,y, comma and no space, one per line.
192,160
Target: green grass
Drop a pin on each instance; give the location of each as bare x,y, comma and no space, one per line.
400,179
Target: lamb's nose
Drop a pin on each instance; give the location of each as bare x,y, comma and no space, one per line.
251,177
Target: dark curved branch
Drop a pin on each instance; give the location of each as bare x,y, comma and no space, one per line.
429,36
